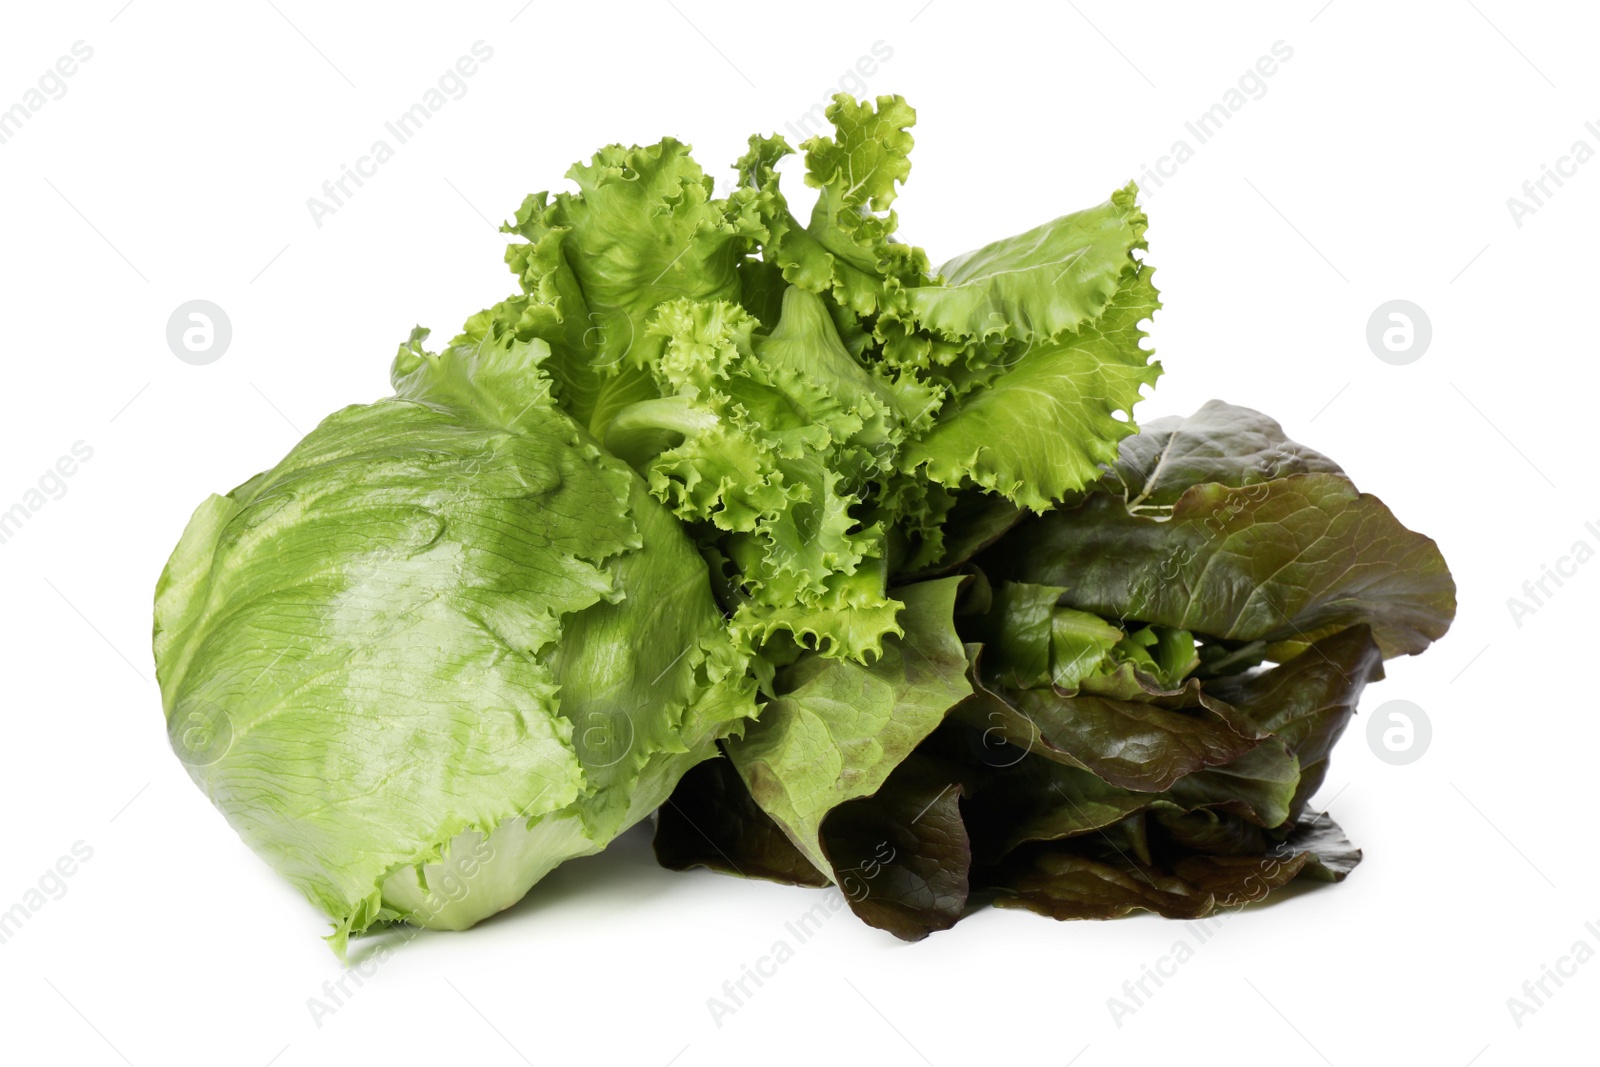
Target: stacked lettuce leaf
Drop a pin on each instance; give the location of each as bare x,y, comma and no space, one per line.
1156,669
863,562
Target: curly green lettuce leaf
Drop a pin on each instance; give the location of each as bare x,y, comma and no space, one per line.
552,308
847,250
772,439
1046,424
641,230
1039,284
967,523
852,619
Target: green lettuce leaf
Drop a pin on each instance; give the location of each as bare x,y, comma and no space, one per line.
847,250
1032,642
839,728
769,437
1076,384
1039,284
641,230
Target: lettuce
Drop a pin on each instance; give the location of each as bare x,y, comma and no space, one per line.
808,398
444,645
858,569
1120,745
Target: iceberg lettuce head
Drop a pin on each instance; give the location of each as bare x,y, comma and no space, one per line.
446,644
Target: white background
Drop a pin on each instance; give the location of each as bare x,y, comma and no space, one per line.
1377,165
